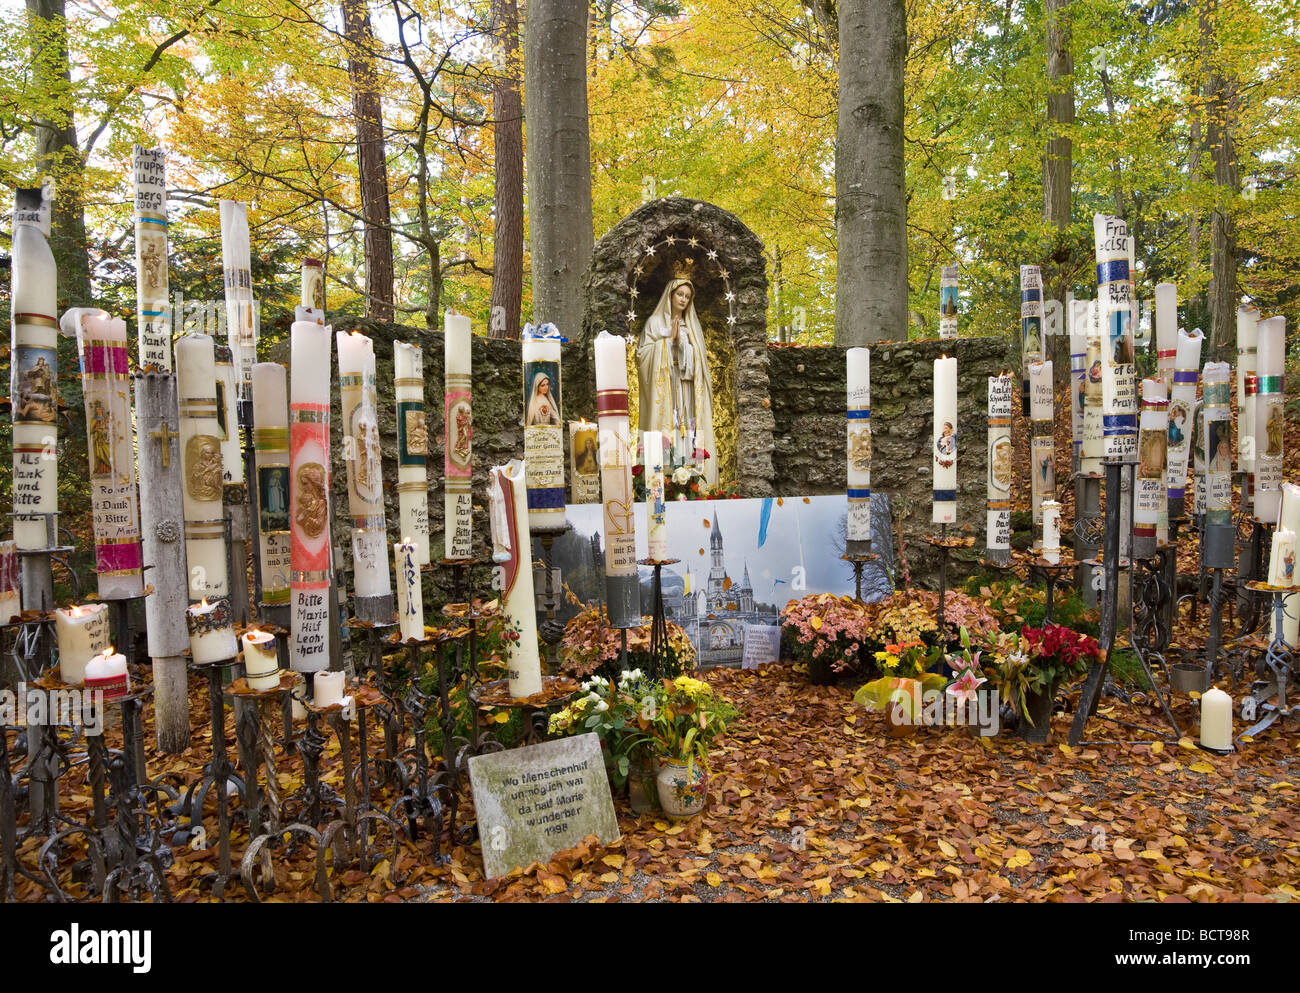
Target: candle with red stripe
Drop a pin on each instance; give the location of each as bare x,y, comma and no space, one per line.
622,587
1166,329
944,446
34,372
101,345
309,489
1149,501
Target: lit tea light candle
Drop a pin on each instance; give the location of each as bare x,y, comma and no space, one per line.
410,590
107,674
212,631
261,660
83,633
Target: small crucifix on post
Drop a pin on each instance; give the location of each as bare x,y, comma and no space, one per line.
164,434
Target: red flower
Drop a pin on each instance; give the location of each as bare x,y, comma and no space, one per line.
638,470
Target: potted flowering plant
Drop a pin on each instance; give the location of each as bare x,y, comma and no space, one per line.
967,679
902,683
826,633
591,645
686,719
1031,666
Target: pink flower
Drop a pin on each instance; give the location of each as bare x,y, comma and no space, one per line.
964,687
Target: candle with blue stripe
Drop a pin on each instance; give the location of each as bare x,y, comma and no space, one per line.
152,307
1031,326
944,447
543,428
1115,299
1182,407
859,449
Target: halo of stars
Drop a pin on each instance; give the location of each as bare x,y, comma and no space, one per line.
650,251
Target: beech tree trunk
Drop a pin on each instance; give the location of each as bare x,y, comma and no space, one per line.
508,138
371,164
1220,116
58,154
559,159
870,190
1058,160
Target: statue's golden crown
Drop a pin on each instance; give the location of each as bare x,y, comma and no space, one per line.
684,269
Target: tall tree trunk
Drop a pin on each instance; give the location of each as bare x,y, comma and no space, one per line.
870,188
1058,165
1220,116
559,159
57,153
508,139
371,163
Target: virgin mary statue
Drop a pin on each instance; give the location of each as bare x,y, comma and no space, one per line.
673,373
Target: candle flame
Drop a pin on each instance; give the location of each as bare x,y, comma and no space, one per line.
204,603
406,540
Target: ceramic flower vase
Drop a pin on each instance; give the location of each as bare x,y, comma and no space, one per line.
681,788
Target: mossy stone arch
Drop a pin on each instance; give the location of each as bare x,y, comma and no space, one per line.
629,268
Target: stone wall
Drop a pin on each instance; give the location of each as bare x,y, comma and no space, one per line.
808,397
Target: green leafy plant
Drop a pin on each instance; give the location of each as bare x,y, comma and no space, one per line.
618,713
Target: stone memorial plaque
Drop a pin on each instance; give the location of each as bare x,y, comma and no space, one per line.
535,801
762,644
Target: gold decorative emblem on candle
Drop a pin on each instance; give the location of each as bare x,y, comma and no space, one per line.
860,448
417,433
203,457
461,426
311,510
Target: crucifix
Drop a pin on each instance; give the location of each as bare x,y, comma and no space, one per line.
164,434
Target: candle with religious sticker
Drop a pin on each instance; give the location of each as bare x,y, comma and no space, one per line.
34,370
232,452
312,297
1042,452
201,467
10,595
1052,531
1182,404
1281,563
271,461
1270,418
584,462
997,542
1031,326
1289,519
361,460
309,523
261,660
543,428
1247,321
83,633
944,446
1199,462
1076,312
1218,445
241,314
412,447
107,673
1090,462
101,345
152,294
622,587
1246,422
858,447
652,444
948,302
458,431
512,552
1114,297
1153,439
1166,329
212,631
410,590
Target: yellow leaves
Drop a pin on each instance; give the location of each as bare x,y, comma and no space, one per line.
822,887
713,879
918,896
947,849
1020,859
1065,749
1202,767
1187,743
815,623
552,883
880,865
613,861
1157,747
1151,855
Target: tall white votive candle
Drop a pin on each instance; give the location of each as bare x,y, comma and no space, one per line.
1270,418
363,464
232,452
944,447
1289,518
1052,531
1247,321
458,421
652,445
1182,406
309,448
201,468
271,463
10,588
1149,500
997,542
1042,450
858,444
622,586
107,673
412,447
410,590
1218,445
512,552
543,427
1281,564
1166,330
1115,299
152,297
584,462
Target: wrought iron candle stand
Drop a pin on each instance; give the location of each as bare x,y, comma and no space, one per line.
859,562
945,546
218,774
1274,669
1053,573
1118,473
1088,531
119,616
255,745
658,619
1170,564
1150,593
421,802
310,803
